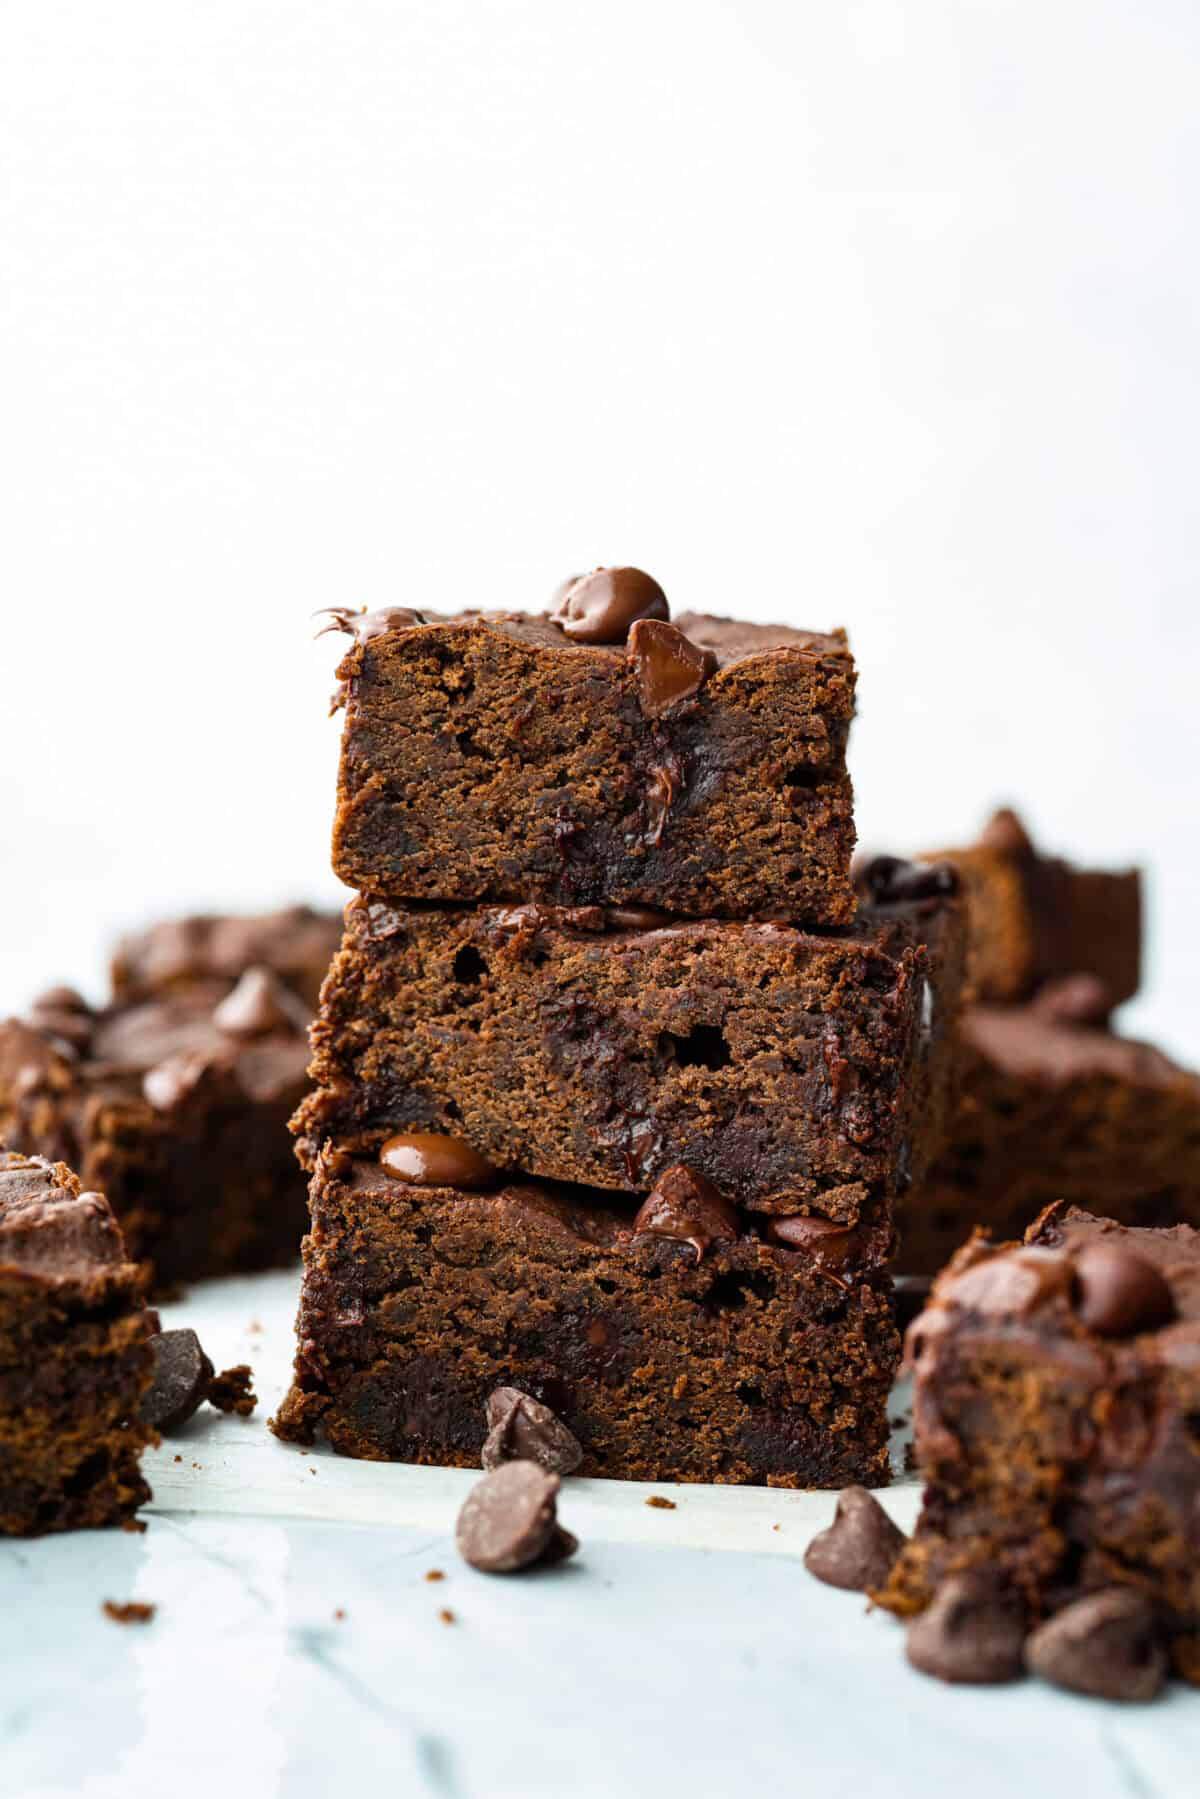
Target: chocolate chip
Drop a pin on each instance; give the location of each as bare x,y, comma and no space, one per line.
972,1632
63,1013
1106,1645
637,918
363,626
1005,832
600,607
892,882
686,1208
182,1373
522,1429
1014,1282
1119,1292
669,667
424,1159
1075,999
508,1521
859,1547
830,1244
259,1005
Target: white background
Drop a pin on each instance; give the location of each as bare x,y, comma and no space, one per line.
876,314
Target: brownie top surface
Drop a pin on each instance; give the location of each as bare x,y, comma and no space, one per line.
730,640
296,943
1026,1042
1173,1249
50,1229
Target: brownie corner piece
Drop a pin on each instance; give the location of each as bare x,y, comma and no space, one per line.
75,1356
731,1360
493,756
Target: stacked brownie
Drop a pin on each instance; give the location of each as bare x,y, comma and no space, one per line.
1054,1103
617,1086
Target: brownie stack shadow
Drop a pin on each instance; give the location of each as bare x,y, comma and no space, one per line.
617,1086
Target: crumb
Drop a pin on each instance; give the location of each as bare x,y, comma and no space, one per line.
132,1611
233,1390
660,1504
136,1525
196,1464
254,1328
446,1615
178,1458
312,1471
339,1613
435,1574
774,1527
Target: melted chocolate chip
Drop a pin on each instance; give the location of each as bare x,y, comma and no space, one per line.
182,1373
509,1521
1119,1292
520,1429
831,1245
601,607
637,918
669,667
1014,1283
972,1632
424,1159
1005,832
363,626
1106,1645
892,882
686,1208
260,1004
859,1547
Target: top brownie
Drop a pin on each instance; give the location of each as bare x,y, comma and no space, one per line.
177,955
599,755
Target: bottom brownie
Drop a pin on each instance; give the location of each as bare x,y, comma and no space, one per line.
707,1355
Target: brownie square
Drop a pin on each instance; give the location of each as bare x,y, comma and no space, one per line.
730,1360
1054,1106
74,1356
296,944
490,756
175,1108
796,1071
1057,1418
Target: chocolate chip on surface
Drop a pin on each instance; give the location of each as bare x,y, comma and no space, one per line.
601,607
972,1632
260,1004
889,881
1119,1292
858,1549
522,1429
182,1373
686,1208
426,1159
669,667
1107,1645
1015,1282
509,1521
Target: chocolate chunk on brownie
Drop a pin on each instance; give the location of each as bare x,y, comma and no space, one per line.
296,945
602,755
176,1108
795,1071
1055,1106
74,1356
1035,918
748,1362
1056,1408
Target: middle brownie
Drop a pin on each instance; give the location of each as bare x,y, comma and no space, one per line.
798,1072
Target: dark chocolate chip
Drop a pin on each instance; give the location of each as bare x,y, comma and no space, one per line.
669,667
1014,1282
363,626
972,1632
1119,1293
1005,832
508,1521
601,607
688,1209
182,1373
892,882
259,1005
1075,999
831,1245
859,1547
521,1429
424,1159
1106,1645
637,918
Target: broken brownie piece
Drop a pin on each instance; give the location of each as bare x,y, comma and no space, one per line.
1034,918
75,1357
296,944
743,1361
175,1108
1057,1417
600,756
1054,1106
795,1071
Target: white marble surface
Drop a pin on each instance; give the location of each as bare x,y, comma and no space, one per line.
684,1651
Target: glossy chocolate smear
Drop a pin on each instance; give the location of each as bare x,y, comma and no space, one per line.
1106,1645
859,1547
973,1631
424,1159
669,667
1119,1293
686,1208
521,1429
509,1521
363,626
601,607
637,918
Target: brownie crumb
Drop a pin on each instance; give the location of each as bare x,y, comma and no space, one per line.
660,1504
435,1574
339,1613
178,1458
233,1391
132,1611
446,1615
